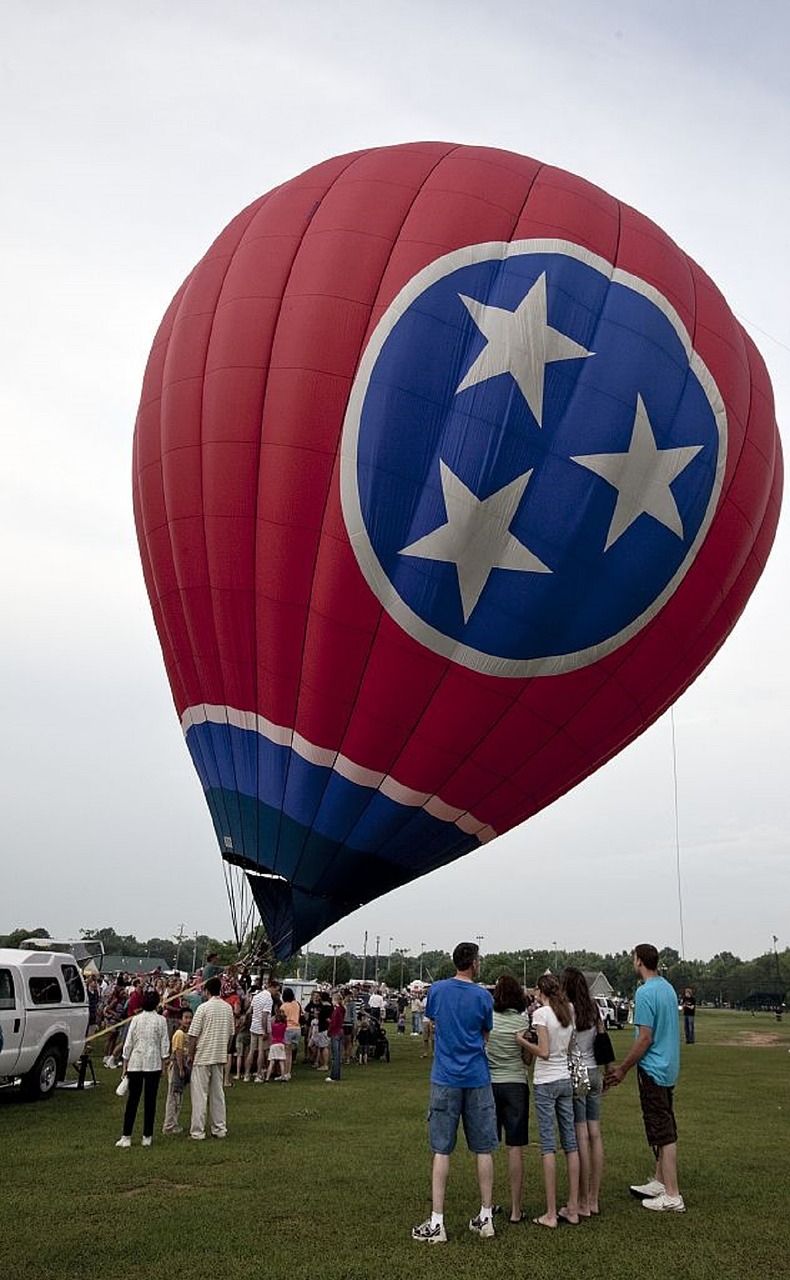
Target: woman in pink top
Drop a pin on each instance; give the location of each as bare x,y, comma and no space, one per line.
277,1046
293,1029
336,1020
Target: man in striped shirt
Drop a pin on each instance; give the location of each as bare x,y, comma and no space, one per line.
209,1035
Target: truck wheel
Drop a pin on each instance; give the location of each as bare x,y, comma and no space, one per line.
40,1082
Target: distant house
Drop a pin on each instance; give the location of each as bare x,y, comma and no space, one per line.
599,984
132,964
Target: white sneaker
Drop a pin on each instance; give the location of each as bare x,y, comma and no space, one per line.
427,1234
146,1142
665,1204
124,1142
649,1190
483,1227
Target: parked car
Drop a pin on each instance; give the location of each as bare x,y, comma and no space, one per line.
43,1018
607,1011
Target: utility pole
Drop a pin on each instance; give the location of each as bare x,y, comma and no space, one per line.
422,953
335,947
364,955
194,953
376,969
179,940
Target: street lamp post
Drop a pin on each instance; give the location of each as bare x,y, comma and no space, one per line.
422,953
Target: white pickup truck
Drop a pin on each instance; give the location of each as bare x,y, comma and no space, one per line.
43,1018
607,1012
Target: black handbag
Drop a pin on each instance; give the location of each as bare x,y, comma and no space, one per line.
603,1050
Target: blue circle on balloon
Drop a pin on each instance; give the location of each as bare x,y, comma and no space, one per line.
574,383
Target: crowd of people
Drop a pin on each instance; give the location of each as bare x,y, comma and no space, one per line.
224,1028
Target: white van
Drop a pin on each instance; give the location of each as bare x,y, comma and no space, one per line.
43,1018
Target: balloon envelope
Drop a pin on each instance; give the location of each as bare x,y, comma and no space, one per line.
451,472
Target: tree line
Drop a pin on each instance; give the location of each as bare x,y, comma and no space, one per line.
725,979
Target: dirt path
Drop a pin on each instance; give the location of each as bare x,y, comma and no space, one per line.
755,1040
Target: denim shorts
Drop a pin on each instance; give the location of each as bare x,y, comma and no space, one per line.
554,1101
589,1108
474,1107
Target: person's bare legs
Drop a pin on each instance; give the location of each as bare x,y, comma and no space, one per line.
549,1164
572,1207
596,1166
440,1172
585,1171
485,1178
667,1168
515,1168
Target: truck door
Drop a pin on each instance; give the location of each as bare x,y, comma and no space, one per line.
12,1021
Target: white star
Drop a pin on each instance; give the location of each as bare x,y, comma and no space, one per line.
476,537
520,343
642,477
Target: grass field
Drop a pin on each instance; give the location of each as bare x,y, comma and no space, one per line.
323,1182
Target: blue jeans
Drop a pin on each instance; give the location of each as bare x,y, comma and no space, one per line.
336,1043
554,1100
688,1026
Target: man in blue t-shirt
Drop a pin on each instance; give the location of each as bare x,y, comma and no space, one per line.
462,1015
656,1054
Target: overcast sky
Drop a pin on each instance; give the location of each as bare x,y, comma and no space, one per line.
131,133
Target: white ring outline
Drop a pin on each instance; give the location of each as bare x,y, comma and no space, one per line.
372,570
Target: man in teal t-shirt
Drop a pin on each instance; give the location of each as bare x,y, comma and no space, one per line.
656,1054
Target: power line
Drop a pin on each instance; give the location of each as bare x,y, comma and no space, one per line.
677,832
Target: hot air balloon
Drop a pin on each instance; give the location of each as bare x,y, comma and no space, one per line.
451,472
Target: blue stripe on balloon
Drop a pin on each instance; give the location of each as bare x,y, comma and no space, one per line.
302,820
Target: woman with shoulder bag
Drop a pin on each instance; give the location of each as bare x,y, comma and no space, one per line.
596,1050
553,1094
507,1062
